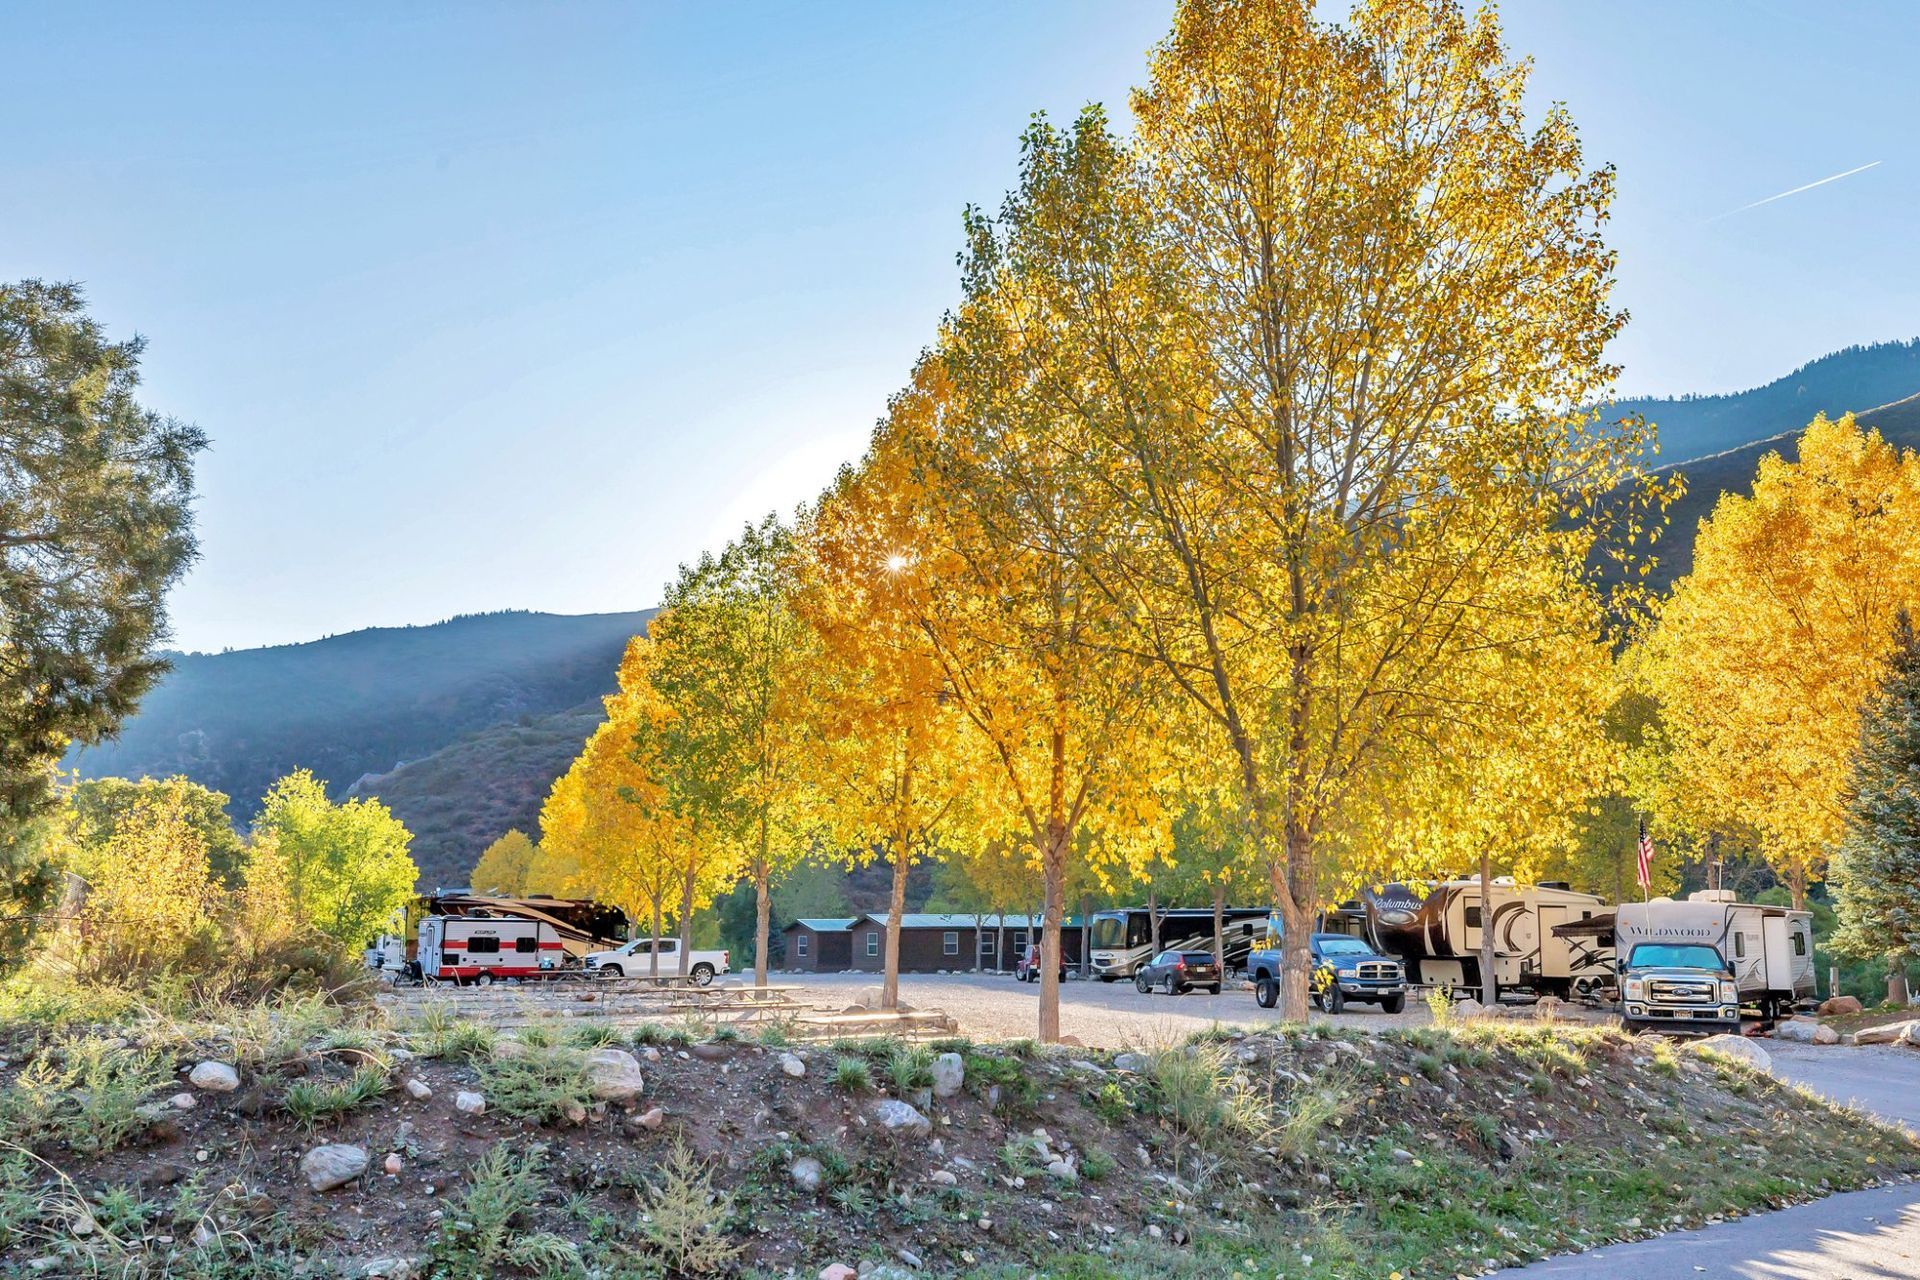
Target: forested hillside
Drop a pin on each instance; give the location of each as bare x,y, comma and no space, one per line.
366,703
1732,471
457,800
1853,378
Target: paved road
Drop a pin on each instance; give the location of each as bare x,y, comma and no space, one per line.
1862,1235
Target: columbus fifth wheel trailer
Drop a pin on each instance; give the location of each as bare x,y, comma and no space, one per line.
1769,949
1434,930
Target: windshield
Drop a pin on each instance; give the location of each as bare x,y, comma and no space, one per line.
1344,947
1675,955
1109,932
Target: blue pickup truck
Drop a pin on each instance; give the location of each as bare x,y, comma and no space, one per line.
1345,969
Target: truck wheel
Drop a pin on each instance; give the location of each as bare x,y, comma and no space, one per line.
1213,988
702,975
1266,992
1395,1004
1140,984
1336,1000
612,971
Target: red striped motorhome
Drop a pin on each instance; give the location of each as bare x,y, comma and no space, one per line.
479,949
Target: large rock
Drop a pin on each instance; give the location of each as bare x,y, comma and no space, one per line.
899,1117
1131,1062
615,1075
1887,1034
1839,1006
468,1102
793,1065
333,1165
807,1173
1805,1031
1738,1047
214,1077
949,1075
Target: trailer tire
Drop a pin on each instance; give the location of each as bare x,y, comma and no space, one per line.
1394,1004
1266,992
482,979
702,975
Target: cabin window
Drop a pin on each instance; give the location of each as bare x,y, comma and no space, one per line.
950,943
873,944
1799,944
800,945
1739,946
524,945
986,944
483,946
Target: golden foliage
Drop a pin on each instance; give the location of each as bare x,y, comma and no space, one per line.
1769,648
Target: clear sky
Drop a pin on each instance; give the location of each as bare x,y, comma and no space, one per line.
520,305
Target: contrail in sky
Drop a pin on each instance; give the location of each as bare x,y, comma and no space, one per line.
1796,191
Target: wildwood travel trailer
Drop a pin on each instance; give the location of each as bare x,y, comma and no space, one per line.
1434,930
1769,949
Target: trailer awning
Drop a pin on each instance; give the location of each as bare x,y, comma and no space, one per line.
1600,926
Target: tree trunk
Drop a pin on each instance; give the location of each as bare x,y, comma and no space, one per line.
1797,881
653,952
1086,937
762,918
1153,919
1489,985
896,911
686,920
1220,929
1897,982
1000,945
1054,873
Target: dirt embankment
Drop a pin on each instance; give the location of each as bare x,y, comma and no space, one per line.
568,1153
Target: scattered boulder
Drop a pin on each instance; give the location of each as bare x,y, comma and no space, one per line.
949,1075
394,1163
214,1077
807,1173
1737,1047
615,1075
868,998
838,1271
943,1178
1063,1170
1888,1034
469,1102
333,1165
388,1269
711,1051
896,1116
183,1102
1839,1006
1469,1008
652,1118
419,1090
1130,1062
1805,1031
1913,1034
793,1064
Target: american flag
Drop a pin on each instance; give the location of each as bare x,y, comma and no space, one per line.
1645,874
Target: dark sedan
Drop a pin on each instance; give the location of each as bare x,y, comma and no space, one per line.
1175,972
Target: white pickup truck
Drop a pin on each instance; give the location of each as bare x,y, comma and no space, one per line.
635,959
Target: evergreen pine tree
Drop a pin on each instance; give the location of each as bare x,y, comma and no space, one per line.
1877,868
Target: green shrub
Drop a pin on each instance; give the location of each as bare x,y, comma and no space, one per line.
852,1074
83,1092
310,1101
910,1066
683,1219
481,1233
541,1084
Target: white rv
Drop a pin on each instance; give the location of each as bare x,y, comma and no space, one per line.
481,949
1435,931
1768,949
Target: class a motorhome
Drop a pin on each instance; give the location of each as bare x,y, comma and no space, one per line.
481,949
1434,929
1769,949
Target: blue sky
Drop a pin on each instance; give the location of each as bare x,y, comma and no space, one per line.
494,306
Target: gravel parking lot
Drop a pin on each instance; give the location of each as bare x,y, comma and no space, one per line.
1100,1015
